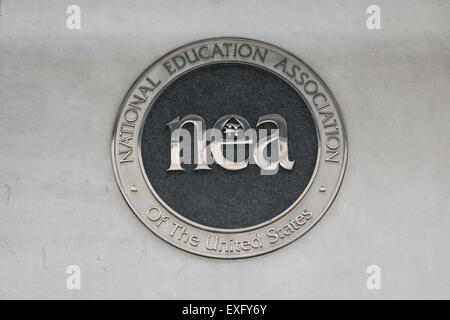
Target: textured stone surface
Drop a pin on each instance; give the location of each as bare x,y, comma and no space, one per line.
60,205
218,197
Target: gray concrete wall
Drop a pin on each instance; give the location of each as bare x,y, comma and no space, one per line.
60,90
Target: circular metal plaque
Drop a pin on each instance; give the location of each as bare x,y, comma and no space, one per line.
163,213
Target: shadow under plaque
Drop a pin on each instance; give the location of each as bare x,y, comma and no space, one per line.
222,198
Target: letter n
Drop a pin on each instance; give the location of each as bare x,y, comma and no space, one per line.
175,127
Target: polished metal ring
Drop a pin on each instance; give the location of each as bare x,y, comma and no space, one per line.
193,237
